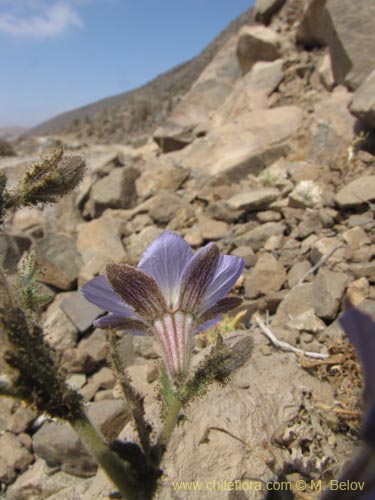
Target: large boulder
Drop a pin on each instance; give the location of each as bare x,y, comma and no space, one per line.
257,43
347,27
245,145
208,92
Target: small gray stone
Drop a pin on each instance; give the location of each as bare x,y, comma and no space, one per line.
95,345
39,482
109,417
59,331
116,190
297,271
297,301
328,291
266,277
136,244
257,237
59,260
253,200
14,458
104,378
247,254
78,361
59,445
80,312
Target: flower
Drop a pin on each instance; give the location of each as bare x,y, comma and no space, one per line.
172,293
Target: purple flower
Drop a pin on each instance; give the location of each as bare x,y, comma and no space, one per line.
172,293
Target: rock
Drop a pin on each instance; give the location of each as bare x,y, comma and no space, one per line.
95,345
257,237
356,192
136,244
80,312
104,378
109,417
116,190
346,27
363,270
358,291
164,206
15,458
363,103
21,420
78,361
265,9
62,217
328,291
356,238
77,381
266,277
160,176
211,229
307,322
253,200
311,223
327,246
245,253
208,92
7,408
26,219
247,145
353,23
257,43
59,260
59,331
306,194
58,444
325,72
39,482
259,394
297,271
297,301
333,127
250,92
99,243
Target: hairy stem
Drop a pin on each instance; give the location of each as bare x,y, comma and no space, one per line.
133,398
118,471
169,425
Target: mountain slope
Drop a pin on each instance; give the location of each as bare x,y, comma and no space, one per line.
132,115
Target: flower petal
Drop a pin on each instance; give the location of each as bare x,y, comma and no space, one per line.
137,289
197,277
118,322
222,307
208,324
165,260
228,270
99,292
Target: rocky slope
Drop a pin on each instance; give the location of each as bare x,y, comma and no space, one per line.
270,154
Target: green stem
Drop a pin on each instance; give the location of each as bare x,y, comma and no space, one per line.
169,425
132,397
118,471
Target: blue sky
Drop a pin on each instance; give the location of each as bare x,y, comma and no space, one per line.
60,54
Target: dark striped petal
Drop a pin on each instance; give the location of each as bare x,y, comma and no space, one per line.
98,292
137,289
222,307
197,277
133,326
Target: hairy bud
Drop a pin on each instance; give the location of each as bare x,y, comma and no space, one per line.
46,181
